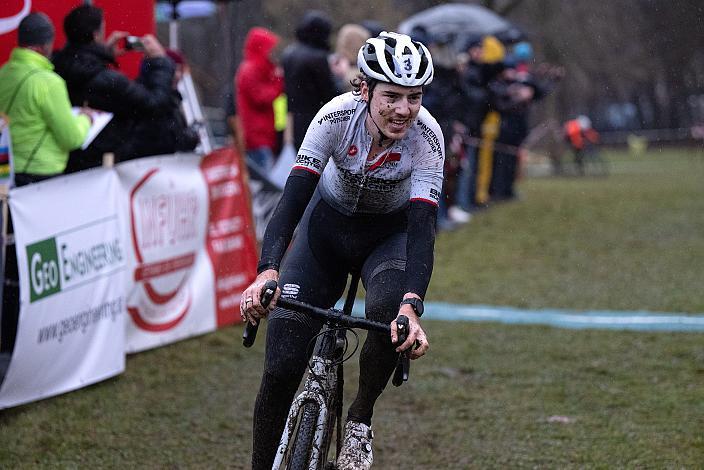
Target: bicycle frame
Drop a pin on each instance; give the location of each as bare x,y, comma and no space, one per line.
320,388
325,379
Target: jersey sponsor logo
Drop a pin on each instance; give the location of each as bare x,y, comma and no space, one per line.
290,290
308,161
337,116
434,194
352,150
430,137
379,185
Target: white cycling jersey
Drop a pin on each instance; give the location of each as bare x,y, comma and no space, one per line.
337,144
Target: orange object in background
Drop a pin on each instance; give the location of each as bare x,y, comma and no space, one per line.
578,134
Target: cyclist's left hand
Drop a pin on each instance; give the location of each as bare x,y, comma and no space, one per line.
415,334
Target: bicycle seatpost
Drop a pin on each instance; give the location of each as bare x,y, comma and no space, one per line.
250,330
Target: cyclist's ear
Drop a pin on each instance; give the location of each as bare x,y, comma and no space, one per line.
364,91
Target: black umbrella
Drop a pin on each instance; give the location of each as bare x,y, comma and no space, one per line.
455,22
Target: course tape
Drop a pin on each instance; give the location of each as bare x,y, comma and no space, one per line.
594,319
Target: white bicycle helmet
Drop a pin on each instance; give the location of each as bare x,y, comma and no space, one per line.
396,58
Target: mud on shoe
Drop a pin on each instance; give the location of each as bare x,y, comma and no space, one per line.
356,452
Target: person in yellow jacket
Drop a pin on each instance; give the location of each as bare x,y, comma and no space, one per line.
43,129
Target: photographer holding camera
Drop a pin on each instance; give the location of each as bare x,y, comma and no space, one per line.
87,64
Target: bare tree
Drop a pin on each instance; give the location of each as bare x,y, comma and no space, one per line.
644,53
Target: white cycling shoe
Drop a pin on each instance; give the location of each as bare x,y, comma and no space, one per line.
356,452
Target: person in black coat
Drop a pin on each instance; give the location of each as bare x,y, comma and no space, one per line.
165,130
512,95
445,100
476,75
85,64
309,82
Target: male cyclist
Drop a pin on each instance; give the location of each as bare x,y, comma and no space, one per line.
363,194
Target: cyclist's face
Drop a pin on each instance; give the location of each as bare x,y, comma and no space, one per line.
393,107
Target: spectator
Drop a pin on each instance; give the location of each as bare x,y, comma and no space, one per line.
475,74
350,39
445,101
85,63
234,121
513,94
309,81
580,135
165,130
373,26
492,55
42,126
258,83
43,130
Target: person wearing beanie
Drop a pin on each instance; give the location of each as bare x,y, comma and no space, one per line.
309,81
166,132
43,130
83,25
88,65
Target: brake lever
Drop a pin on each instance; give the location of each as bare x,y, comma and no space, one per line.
403,365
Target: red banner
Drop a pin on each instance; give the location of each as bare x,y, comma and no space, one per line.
134,16
230,240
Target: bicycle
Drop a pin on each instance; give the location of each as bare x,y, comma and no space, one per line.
317,410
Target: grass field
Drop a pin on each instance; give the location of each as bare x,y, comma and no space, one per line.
488,395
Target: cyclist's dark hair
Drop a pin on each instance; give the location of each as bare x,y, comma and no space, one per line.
356,83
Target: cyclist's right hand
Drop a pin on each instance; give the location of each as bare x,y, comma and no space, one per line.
251,307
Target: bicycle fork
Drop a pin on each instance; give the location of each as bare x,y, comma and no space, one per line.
313,392
322,388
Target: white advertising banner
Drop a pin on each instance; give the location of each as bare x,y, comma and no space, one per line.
167,203
192,253
72,256
120,260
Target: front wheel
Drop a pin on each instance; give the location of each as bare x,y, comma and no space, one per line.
303,440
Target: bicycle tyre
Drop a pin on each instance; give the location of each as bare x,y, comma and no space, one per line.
303,440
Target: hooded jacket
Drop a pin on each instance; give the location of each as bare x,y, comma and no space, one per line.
257,85
91,81
309,81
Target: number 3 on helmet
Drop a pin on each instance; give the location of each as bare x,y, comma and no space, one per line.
396,58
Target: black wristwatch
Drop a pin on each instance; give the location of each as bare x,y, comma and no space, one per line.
416,303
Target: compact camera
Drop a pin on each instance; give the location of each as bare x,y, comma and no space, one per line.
133,43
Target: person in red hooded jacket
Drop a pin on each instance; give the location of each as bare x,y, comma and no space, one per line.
258,82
